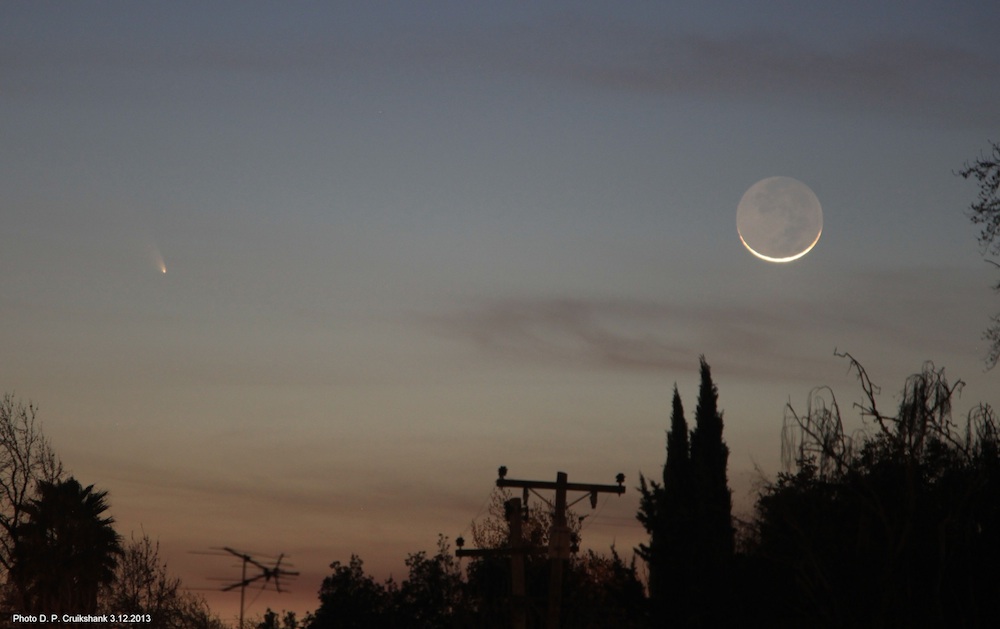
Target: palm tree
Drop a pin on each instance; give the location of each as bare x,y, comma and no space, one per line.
67,549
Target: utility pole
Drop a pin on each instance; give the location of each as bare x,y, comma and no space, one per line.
559,547
519,610
517,550
243,585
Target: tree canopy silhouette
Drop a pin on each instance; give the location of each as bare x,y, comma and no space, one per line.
350,598
67,549
598,591
898,526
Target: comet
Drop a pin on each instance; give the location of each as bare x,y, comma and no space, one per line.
157,258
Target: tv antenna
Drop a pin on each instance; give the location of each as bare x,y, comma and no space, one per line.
267,574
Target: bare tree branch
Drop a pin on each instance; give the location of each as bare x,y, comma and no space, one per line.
26,457
985,211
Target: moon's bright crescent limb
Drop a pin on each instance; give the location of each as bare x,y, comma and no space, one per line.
770,259
779,219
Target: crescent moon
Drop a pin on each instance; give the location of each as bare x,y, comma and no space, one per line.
769,258
779,219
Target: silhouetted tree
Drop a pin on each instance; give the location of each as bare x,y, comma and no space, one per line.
903,531
142,585
194,613
349,599
598,591
689,518
488,590
603,591
985,211
666,511
272,620
26,457
713,522
67,549
433,593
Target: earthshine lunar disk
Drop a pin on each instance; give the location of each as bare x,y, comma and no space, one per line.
779,219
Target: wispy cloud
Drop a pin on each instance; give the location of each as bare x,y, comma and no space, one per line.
629,335
781,337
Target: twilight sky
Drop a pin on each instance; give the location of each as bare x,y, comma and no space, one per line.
408,243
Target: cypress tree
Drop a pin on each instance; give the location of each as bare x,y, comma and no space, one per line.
666,511
689,518
713,530
676,473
